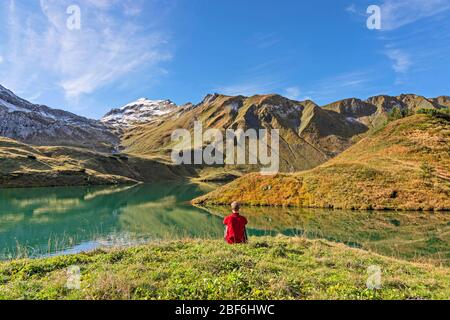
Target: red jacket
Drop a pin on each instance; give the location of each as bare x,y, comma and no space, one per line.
236,232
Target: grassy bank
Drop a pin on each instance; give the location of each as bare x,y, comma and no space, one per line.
267,268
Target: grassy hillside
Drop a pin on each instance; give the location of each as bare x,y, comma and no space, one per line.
22,165
403,166
268,268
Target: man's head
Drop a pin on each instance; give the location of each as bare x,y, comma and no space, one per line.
235,206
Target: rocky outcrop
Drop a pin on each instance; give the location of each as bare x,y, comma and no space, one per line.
374,111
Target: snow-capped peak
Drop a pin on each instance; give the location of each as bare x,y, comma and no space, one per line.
140,111
145,102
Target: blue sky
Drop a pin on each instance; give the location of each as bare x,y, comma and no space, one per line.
184,49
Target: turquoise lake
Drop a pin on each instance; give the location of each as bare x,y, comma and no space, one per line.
47,221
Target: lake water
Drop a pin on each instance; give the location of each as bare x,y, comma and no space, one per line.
48,221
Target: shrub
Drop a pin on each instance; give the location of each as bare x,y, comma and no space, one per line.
427,171
443,113
397,114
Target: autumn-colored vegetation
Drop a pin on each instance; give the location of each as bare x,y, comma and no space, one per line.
402,166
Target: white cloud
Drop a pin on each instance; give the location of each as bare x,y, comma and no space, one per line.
292,93
349,84
42,51
1,59
350,80
132,9
401,60
103,4
352,9
398,13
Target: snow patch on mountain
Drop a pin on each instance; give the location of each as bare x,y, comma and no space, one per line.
140,111
11,108
40,125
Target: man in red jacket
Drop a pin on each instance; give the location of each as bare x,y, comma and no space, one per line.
235,231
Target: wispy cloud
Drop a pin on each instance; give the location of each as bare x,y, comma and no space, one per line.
248,88
108,47
265,40
398,13
415,48
353,9
349,84
262,78
352,79
345,85
292,93
401,60
132,9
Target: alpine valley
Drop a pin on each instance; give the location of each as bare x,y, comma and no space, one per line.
41,146
124,213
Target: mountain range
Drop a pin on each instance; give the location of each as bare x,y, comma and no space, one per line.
310,135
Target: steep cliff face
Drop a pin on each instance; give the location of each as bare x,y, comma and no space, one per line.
41,125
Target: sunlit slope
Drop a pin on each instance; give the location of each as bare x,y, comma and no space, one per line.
404,166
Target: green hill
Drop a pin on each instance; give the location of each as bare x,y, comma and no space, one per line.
403,166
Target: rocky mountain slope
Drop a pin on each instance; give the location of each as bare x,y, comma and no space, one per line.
374,111
404,166
41,125
310,135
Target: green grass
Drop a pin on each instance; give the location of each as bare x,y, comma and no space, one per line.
267,268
